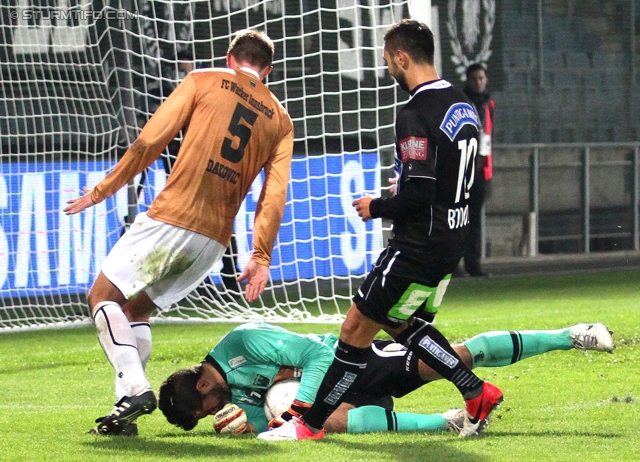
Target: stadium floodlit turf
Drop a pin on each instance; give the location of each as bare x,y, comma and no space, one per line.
564,405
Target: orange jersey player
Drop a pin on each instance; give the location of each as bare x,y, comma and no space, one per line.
235,127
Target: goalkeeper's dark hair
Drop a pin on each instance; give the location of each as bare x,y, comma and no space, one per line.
179,399
252,47
414,38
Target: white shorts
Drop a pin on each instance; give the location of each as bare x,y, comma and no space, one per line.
165,261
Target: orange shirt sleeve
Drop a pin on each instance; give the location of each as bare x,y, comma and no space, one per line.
172,115
273,197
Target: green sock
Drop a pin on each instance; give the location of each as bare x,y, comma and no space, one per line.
368,419
501,348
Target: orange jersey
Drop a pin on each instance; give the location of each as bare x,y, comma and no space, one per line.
235,127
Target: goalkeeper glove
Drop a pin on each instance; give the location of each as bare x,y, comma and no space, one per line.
230,419
296,409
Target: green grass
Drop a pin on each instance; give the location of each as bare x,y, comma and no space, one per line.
561,406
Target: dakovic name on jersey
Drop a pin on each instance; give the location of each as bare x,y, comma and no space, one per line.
224,172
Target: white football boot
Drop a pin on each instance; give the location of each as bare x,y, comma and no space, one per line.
455,419
592,337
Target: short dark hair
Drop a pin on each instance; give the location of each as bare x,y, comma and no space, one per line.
413,37
179,399
474,68
252,47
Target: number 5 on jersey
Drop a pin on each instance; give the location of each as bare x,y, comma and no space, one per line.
240,131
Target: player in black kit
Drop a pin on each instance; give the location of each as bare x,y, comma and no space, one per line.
436,144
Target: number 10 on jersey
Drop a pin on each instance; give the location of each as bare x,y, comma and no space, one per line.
468,149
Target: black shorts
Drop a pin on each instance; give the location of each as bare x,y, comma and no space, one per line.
392,371
399,285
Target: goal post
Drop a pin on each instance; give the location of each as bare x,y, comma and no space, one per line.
80,78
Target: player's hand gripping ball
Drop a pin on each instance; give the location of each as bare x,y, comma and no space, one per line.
231,419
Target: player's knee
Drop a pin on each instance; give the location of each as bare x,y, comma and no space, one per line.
94,300
349,330
104,290
91,301
357,329
140,308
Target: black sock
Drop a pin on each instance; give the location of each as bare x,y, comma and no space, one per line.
436,351
340,378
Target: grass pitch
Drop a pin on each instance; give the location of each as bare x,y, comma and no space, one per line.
564,405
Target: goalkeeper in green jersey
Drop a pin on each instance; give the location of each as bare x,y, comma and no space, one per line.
252,357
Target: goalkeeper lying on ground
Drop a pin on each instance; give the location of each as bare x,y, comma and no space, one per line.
252,357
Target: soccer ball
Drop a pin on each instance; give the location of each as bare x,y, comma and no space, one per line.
279,397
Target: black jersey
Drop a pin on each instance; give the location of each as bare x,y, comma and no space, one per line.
436,144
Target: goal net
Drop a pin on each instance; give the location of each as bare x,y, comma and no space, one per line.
79,79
